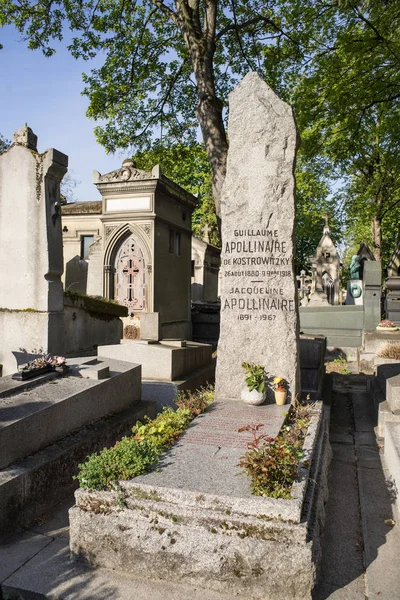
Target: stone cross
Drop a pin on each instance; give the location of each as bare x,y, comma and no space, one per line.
259,312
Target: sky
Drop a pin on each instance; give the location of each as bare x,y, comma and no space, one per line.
45,93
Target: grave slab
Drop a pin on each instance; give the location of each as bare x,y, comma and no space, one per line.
53,409
206,458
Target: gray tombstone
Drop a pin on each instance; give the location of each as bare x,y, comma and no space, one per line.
31,253
95,269
372,294
76,272
259,313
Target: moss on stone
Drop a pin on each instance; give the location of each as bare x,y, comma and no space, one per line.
140,494
100,308
19,310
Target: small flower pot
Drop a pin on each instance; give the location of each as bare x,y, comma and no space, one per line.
253,397
280,396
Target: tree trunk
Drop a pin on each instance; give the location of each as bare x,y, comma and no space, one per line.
200,42
376,236
214,137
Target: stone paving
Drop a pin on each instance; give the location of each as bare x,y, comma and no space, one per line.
361,550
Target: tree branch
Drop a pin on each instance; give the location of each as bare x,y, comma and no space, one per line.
239,38
168,12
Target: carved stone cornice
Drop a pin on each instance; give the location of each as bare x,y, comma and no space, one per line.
128,172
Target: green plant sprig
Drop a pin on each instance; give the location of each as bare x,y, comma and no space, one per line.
254,376
272,463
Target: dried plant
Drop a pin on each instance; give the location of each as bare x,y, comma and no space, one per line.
389,351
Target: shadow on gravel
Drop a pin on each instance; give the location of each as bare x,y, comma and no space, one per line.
357,488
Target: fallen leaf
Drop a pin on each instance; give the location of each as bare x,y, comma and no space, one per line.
390,522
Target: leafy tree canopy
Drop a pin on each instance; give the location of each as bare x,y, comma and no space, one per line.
4,144
188,166
168,64
346,90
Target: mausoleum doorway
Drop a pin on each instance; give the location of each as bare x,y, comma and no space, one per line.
130,274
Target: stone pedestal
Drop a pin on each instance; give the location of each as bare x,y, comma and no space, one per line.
354,296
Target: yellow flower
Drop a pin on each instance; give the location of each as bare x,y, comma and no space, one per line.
278,380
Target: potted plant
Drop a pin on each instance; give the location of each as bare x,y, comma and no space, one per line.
280,390
254,392
33,368
40,366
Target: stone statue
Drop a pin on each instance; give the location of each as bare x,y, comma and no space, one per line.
355,267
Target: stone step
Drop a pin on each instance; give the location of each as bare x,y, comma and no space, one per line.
392,453
32,486
164,360
52,574
38,416
386,415
164,393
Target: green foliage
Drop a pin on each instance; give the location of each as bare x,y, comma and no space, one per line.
4,144
169,66
137,454
188,166
157,54
255,376
345,90
341,364
272,464
164,430
127,459
313,201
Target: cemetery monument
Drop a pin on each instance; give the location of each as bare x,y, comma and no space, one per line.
259,313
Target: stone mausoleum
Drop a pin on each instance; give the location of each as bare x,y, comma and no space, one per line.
326,269
137,243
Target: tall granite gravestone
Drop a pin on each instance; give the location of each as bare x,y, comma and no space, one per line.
76,275
259,313
31,255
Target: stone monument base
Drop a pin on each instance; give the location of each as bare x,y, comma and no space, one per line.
168,360
197,523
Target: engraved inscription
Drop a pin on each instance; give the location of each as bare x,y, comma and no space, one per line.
257,295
